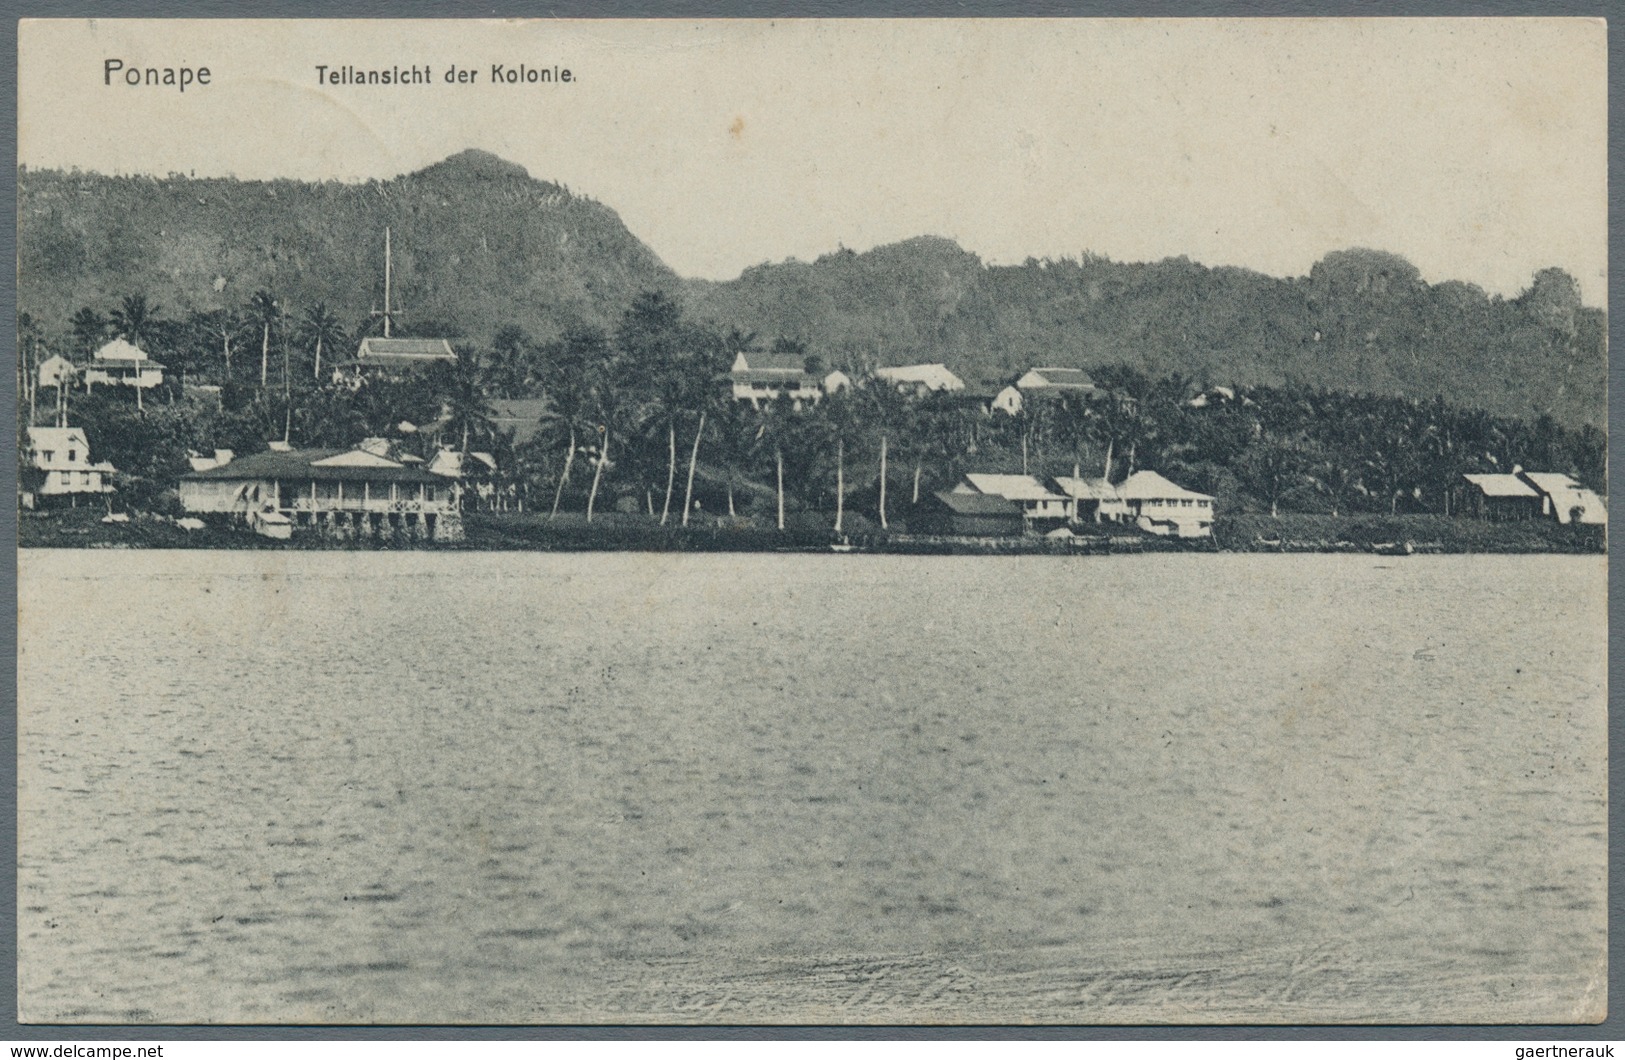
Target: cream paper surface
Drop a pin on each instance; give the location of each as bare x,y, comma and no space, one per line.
514,787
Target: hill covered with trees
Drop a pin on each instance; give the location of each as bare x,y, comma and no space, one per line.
477,243
486,253
1362,321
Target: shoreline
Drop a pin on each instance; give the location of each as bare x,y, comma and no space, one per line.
1295,533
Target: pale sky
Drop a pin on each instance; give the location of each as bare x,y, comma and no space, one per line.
1476,148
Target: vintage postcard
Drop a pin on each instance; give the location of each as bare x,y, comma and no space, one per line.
887,521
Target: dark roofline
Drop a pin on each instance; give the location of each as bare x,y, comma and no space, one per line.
977,504
296,466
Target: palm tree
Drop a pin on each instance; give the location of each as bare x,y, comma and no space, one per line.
320,328
774,425
469,409
263,309
568,374
1274,467
883,410
662,357
225,325
509,367
1334,477
135,319
89,329
28,347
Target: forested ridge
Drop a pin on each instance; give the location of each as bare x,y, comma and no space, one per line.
477,244
481,246
1362,321
1357,389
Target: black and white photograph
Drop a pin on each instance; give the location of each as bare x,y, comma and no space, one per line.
882,522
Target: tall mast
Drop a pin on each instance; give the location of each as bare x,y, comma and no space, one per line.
386,281
388,313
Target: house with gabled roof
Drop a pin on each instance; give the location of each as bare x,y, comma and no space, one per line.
56,370
1008,401
961,514
1564,499
761,378
1501,497
1056,381
1159,506
1038,503
1094,500
920,379
342,492
395,356
121,363
57,466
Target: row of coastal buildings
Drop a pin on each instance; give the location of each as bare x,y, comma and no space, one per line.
984,504
988,505
763,378
121,363
377,488
1523,495
993,505
374,490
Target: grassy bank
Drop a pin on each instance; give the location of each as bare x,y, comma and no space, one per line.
812,531
83,528
624,532
1300,532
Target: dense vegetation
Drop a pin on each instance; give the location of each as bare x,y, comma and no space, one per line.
638,419
1362,321
480,247
477,242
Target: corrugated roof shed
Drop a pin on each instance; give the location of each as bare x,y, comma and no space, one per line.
1012,487
400,353
1148,485
976,503
781,363
1075,378
1502,485
1086,489
1553,482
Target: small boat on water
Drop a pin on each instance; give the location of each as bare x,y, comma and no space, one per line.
1393,548
268,522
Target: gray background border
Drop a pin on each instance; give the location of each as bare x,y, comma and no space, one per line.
1611,1029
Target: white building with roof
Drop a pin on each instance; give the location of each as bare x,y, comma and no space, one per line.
1159,506
121,363
56,370
920,378
1501,497
342,492
402,354
470,474
1008,401
766,377
1056,381
1094,500
57,465
1038,502
1564,499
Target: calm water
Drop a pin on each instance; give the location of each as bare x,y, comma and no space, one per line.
375,787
